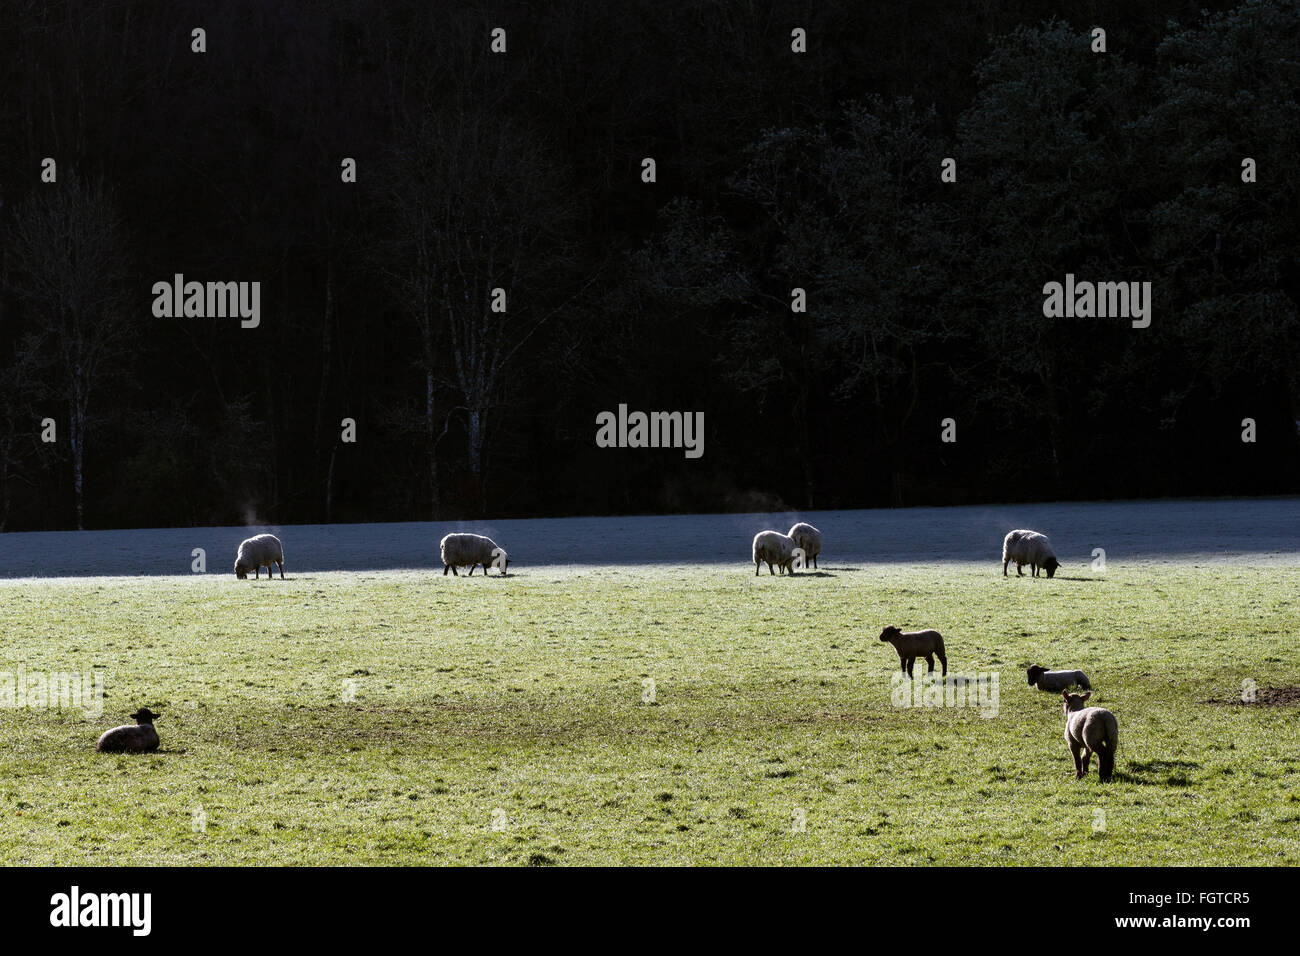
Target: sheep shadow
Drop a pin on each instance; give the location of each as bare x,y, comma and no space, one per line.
814,574
1169,773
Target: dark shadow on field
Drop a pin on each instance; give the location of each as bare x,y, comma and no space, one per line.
814,574
1169,773
1062,577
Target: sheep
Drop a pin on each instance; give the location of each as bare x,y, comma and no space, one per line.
776,549
141,738
809,538
462,549
260,551
1044,679
1028,547
913,644
1089,730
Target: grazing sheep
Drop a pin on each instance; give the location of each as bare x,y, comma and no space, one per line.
1044,679
1090,730
913,644
141,738
1031,548
259,552
809,538
776,549
461,549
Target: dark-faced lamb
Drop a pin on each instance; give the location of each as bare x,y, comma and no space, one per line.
913,644
809,538
260,551
461,549
131,738
776,549
1031,548
1055,681
1089,730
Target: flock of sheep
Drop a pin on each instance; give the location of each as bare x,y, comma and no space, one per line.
1088,730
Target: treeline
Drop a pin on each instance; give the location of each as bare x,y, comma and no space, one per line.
523,171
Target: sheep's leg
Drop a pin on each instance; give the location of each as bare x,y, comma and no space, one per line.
1019,572
815,562
454,572
943,660
1078,764
757,567
279,564
929,659
444,570
769,568
471,569
1004,567
1087,756
911,662
1105,764
257,573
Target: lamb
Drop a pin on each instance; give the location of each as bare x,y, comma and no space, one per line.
776,549
141,738
255,553
1090,730
809,538
1031,548
1044,679
462,549
913,644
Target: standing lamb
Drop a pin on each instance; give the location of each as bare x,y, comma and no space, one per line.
776,549
1090,730
809,538
259,552
913,644
1028,547
461,549
141,738
1044,679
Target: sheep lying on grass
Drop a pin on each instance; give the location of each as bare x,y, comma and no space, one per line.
776,549
461,549
913,644
1090,730
140,738
1044,679
809,538
259,552
1031,548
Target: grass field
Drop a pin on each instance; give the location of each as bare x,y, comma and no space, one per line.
511,721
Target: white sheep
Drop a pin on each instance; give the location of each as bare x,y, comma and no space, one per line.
1090,730
461,549
776,549
1044,679
140,738
258,552
809,538
1031,548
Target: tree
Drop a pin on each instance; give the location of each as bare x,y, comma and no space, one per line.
68,267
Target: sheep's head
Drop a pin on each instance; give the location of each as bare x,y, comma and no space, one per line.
1035,672
241,570
890,633
499,560
1051,565
144,716
1073,701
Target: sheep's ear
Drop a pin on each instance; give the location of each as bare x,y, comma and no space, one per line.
1065,695
1087,695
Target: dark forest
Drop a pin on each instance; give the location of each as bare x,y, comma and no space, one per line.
523,171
